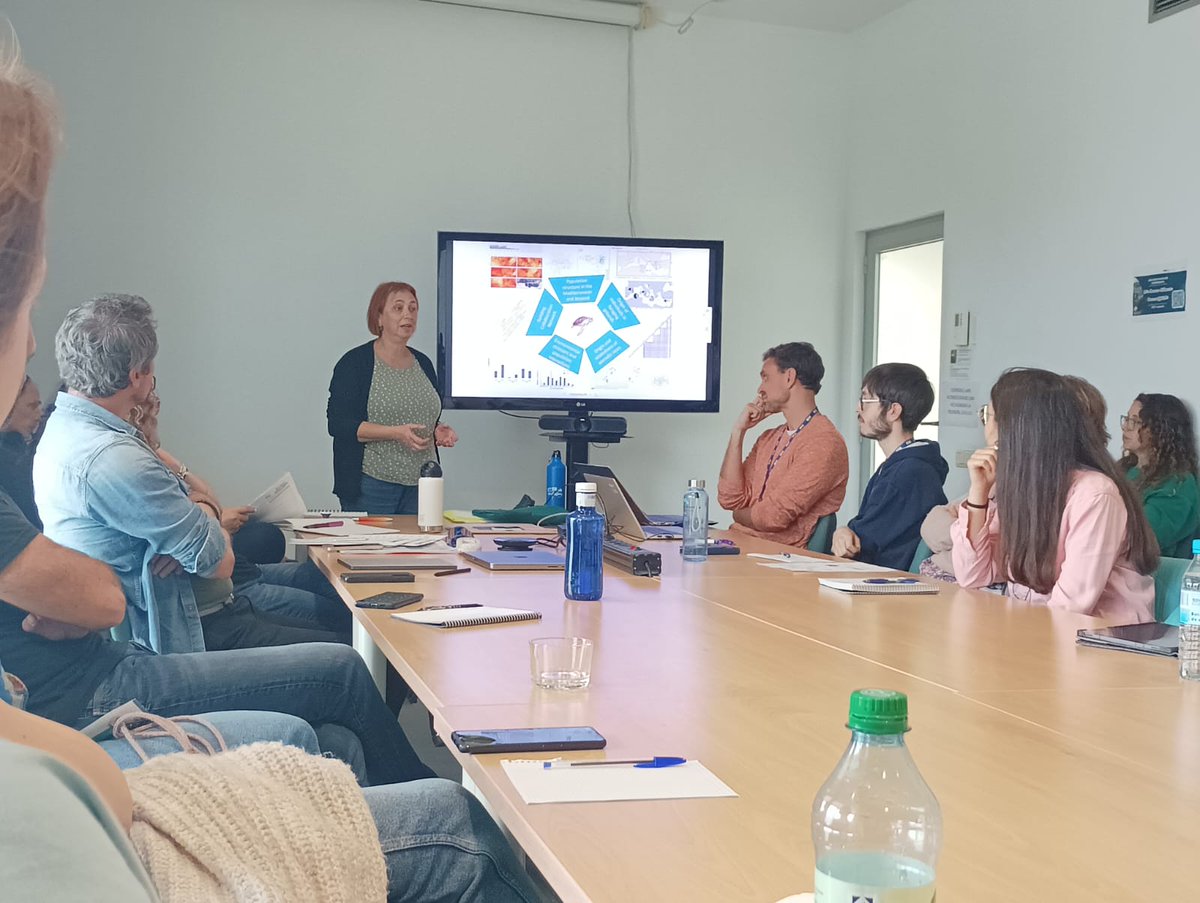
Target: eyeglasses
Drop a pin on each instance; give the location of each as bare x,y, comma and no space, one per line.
985,414
1130,423
864,401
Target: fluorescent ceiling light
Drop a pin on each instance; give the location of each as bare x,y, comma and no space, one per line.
606,12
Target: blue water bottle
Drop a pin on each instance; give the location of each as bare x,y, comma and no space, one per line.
584,580
695,522
556,481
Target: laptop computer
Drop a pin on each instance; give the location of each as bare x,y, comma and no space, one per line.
623,513
396,561
517,561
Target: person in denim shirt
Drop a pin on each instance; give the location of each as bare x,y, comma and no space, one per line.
103,491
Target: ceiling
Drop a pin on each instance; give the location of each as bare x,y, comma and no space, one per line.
820,15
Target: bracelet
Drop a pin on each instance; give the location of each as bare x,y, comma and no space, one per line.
971,504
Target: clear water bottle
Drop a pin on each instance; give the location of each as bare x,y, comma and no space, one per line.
876,825
556,481
695,522
1189,618
584,580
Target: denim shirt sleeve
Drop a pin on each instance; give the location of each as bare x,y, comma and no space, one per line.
131,490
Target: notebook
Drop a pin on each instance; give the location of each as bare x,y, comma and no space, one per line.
517,561
396,561
1148,639
887,586
467,617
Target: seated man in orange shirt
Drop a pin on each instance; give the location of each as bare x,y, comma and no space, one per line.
796,472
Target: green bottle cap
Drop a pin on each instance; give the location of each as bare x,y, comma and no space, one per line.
878,712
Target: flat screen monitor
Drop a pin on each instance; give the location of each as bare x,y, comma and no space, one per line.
552,322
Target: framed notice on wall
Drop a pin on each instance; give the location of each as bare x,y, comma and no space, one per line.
1160,293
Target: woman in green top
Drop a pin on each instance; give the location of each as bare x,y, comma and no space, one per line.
1160,459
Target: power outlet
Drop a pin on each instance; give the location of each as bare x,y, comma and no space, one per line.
962,456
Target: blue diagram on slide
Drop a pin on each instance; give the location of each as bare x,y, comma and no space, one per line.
545,318
578,290
565,354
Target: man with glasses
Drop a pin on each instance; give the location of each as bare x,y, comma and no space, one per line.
795,473
895,399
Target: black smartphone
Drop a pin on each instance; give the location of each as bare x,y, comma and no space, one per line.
380,577
528,739
389,600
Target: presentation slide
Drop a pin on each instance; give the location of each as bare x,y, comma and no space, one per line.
563,321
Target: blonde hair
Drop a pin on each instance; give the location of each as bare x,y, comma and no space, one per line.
28,135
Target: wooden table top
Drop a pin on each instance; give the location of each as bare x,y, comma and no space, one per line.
1063,773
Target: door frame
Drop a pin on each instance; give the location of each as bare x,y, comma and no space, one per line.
879,241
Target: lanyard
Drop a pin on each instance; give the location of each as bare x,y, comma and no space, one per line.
777,453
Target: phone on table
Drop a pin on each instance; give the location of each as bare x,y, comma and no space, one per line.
380,577
528,739
389,600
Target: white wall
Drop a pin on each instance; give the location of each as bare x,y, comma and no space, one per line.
255,169
1059,138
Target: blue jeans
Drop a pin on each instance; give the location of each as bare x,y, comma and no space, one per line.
382,497
243,728
323,683
441,846
299,591
237,728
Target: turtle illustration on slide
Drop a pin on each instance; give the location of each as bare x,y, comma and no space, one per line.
580,324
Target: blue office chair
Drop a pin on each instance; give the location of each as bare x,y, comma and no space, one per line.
822,536
923,552
1166,589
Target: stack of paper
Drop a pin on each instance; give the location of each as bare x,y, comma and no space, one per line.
279,501
809,565
607,783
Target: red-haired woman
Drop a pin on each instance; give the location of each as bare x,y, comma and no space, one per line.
384,410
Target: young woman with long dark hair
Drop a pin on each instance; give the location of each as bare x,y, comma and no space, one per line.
1159,458
1048,511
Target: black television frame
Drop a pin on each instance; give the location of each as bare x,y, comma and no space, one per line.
445,337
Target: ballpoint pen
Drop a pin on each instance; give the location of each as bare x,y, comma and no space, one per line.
451,572
655,762
322,525
441,607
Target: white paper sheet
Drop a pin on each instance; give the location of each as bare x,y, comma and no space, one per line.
279,501
538,784
803,564
347,527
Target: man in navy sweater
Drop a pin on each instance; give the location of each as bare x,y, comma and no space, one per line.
895,399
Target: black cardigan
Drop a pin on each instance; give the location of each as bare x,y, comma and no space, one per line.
347,408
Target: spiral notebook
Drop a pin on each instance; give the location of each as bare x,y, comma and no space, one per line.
467,617
887,586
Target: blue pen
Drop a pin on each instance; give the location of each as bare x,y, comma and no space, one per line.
891,580
655,762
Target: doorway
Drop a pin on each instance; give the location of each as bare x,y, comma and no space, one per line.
903,316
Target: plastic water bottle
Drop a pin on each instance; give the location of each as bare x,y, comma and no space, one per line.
876,825
1189,618
584,580
556,481
695,522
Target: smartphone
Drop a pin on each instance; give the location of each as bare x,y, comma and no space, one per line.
389,600
380,577
527,739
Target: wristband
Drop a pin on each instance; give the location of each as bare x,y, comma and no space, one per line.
971,504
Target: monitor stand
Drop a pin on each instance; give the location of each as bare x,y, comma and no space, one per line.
579,430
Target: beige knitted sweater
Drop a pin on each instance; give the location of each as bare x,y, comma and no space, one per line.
264,823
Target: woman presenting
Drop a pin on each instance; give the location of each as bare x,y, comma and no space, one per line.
384,410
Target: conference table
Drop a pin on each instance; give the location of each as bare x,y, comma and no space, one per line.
1063,772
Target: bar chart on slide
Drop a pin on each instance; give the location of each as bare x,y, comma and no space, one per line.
511,374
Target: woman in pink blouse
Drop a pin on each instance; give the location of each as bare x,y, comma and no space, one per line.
1046,482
